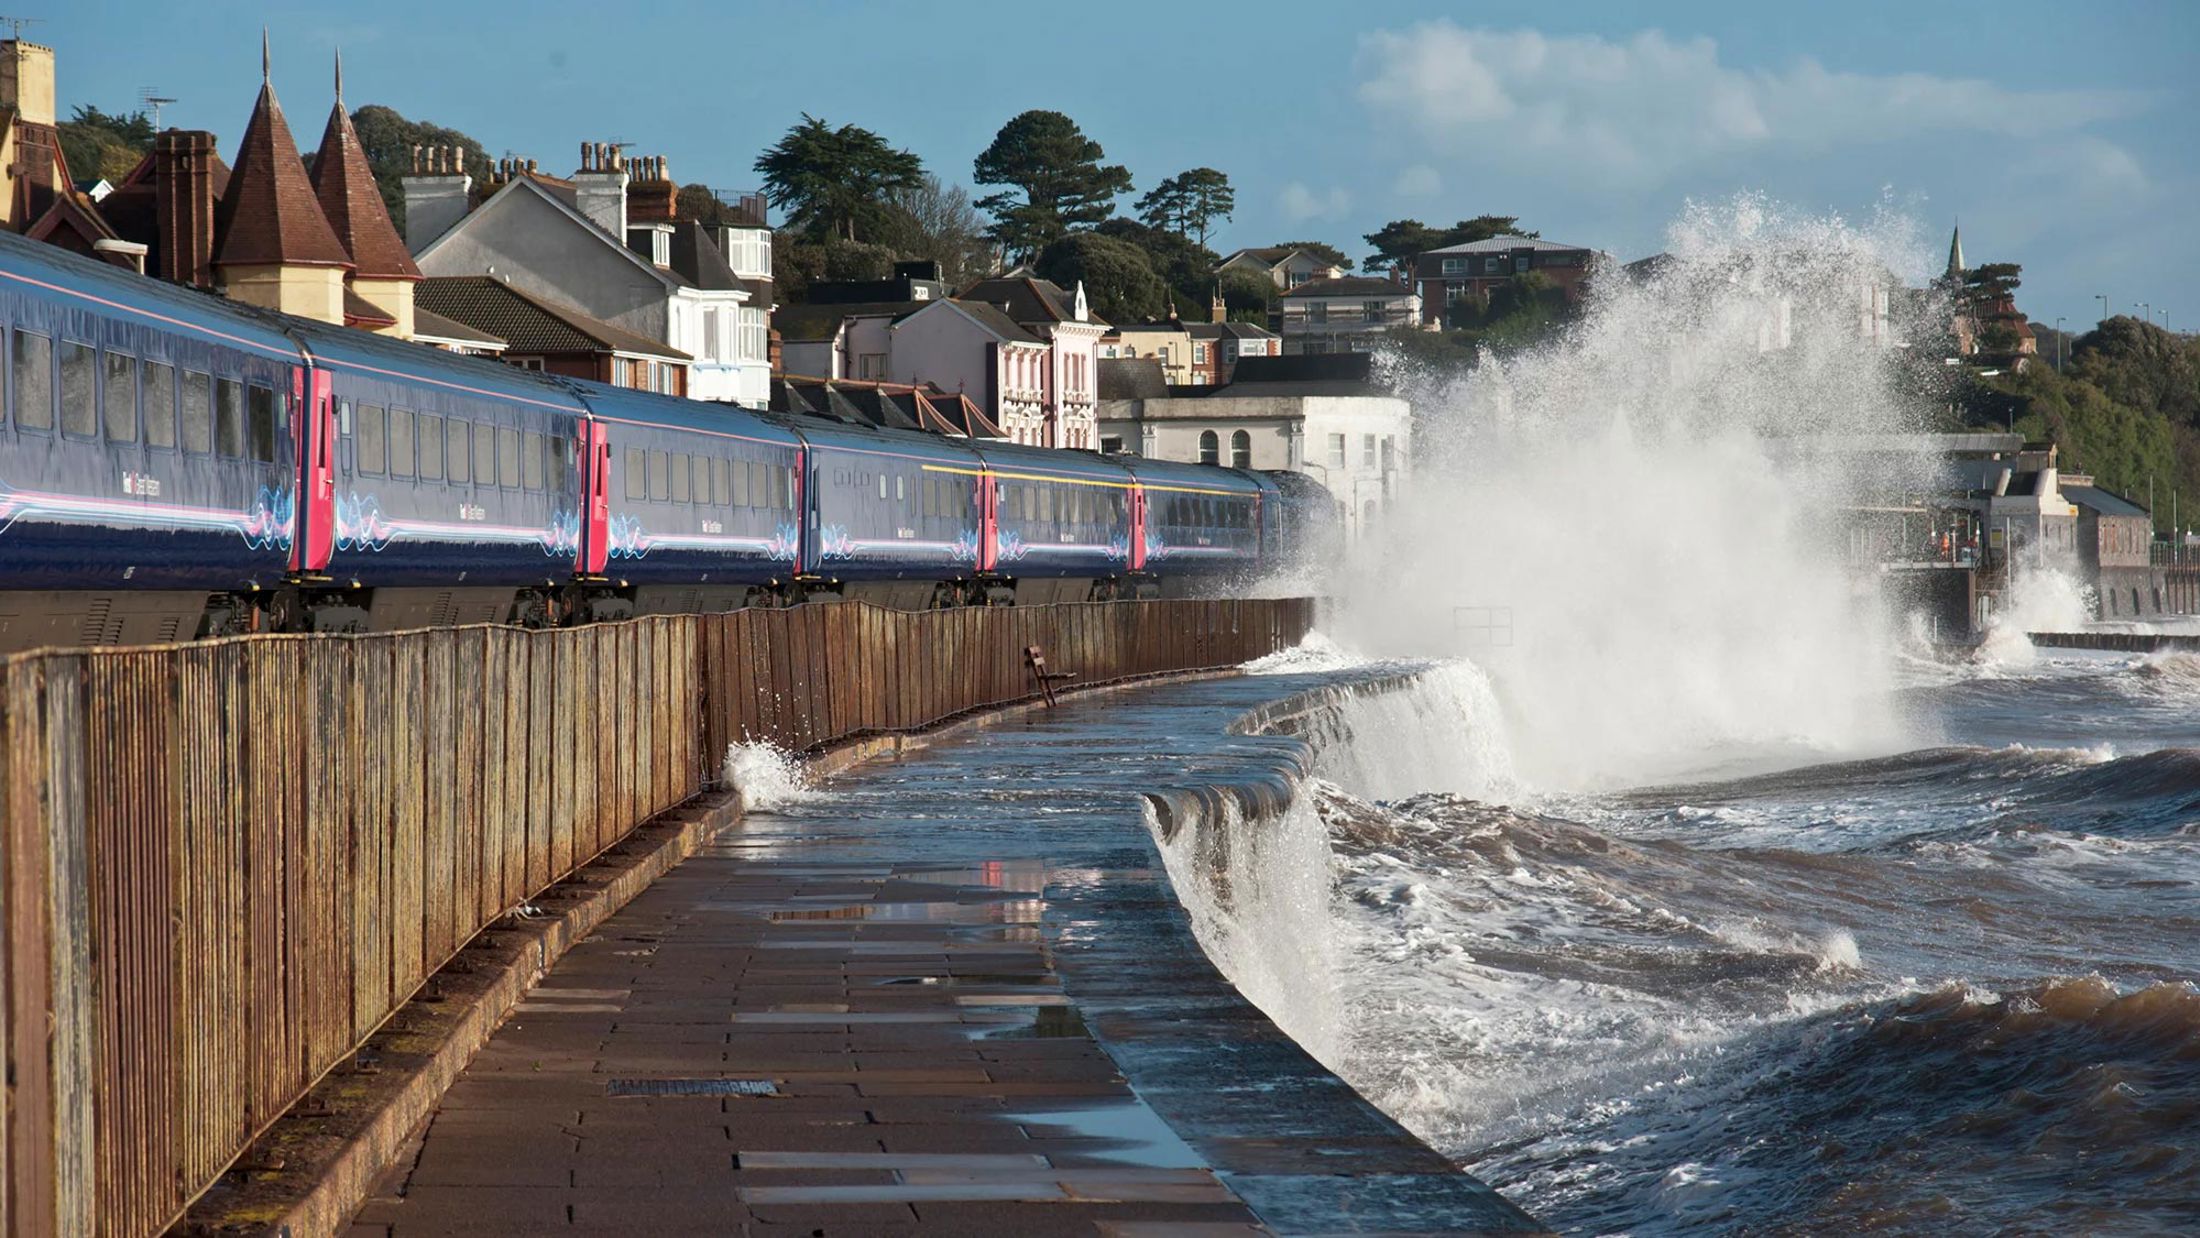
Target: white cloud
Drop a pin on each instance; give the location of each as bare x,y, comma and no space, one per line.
1418,181
1300,204
1644,107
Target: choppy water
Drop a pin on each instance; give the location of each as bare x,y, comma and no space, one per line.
1942,990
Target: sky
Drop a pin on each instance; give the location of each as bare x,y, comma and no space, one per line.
2064,137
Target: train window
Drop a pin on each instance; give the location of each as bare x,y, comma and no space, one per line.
532,466
198,412
678,475
160,405
760,486
79,409
786,477
118,398
557,464
699,469
370,438
721,493
401,442
882,485
429,435
899,496
260,422
930,502
32,359
485,454
738,474
508,457
636,474
660,476
229,418
457,450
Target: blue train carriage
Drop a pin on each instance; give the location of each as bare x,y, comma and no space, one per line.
457,493
1198,527
1061,527
703,505
149,458
1301,531
893,517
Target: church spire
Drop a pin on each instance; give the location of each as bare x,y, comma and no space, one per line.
339,77
1955,253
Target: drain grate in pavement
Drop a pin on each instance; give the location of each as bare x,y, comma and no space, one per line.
693,1087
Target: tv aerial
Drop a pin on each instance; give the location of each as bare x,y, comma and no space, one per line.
153,101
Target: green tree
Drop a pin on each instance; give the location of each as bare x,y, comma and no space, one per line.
100,145
1248,296
1048,160
835,182
1185,265
1402,240
388,139
936,222
1120,284
1189,203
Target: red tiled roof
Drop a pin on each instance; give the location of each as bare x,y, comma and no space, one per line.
349,198
360,312
269,215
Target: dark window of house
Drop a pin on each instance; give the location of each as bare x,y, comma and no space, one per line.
485,454
198,412
1209,447
370,438
531,463
260,422
229,417
1241,449
401,442
118,398
660,480
32,360
508,457
458,450
79,403
637,474
430,436
160,405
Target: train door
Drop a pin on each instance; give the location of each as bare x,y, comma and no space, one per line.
595,460
1138,527
314,426
989,522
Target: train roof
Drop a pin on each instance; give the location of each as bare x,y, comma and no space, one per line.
36,268
350,348
1058,462
907,444
1174,475
698,416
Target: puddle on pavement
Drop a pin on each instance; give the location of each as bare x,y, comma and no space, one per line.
1135,1134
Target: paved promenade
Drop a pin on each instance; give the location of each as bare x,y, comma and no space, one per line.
951,994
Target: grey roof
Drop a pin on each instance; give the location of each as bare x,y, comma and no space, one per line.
1319,386
822,322
993,319
1506,244
2103,502
1132,378
429,323
695,256
1349,286
528,323
1232,330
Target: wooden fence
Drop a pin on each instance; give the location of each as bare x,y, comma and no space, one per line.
224,864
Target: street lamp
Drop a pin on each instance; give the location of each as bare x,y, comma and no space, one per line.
2058,345
2102,297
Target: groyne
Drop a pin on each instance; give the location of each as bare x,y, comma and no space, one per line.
227,864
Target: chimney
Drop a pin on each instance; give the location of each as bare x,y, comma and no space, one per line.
599,189
26,81
652,198
183,205
1218,312
435,194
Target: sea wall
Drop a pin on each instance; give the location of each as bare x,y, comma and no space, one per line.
228,863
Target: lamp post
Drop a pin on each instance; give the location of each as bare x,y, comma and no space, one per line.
2058,346
2102,297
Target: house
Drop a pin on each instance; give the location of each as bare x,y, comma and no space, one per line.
896,406
1320,416
538,333
847,340
1217,347
265,231
1063,321
609,244
1469,272
1348,314
2115,549
1285,266
1169,343
974,349
911,282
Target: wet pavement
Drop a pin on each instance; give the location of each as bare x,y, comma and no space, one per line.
952,993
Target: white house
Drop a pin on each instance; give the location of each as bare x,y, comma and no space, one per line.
610,244
1285,266
1062,320
1348,314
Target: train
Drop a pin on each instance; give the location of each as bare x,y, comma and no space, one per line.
175,465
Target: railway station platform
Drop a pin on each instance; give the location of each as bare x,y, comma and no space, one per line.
948,992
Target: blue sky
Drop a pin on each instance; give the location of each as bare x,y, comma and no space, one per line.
2064,136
